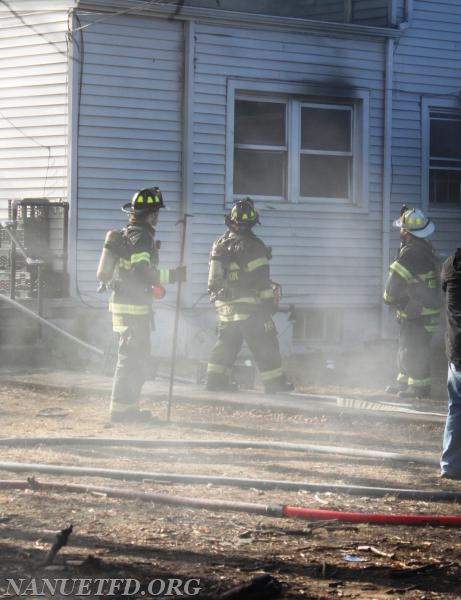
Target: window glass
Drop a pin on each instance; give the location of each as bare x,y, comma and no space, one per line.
445,136
445,158
325,176
325,129
259,173
260,152
259,123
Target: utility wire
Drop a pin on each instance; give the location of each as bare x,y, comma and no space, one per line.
116,14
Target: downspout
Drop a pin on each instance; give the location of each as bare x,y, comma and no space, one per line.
387,173
187,144
73,124
408,11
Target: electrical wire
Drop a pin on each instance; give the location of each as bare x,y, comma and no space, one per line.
116,14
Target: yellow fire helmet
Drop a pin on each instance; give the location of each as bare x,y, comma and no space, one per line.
243,215
145,201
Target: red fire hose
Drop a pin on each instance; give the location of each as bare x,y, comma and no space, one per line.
272,510
295,512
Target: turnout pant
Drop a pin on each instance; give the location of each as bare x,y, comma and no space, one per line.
414,354
260,334
133,363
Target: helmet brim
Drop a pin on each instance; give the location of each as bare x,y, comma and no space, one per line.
128,209
424,233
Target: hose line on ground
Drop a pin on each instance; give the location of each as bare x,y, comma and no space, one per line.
265,484
246,444
272,510
55,328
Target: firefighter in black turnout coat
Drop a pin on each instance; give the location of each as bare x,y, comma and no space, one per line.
413,292
239,284
135,280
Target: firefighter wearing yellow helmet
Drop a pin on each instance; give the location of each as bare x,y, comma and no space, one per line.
129,266
413,292
239,284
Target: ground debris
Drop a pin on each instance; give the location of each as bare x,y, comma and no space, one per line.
61,541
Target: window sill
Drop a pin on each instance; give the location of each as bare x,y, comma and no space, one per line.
444,213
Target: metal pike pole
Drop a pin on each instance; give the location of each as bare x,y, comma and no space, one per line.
176,315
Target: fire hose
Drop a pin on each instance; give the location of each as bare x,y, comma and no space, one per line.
266,484
55,328
270,510
245,444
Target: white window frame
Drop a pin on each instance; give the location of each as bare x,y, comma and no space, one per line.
428,105
296,95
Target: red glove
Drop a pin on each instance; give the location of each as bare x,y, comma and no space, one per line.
158,292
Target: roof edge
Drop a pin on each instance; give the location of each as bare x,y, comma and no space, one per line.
247,20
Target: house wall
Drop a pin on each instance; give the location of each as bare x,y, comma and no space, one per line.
33,101
327,258
427,72
129,102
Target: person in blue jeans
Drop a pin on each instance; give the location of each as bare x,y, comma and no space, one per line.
450,462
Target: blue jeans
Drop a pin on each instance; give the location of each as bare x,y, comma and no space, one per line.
450,461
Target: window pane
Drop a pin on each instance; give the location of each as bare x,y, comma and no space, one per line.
259,173
325,129
259,123
445,136
444,187
325,176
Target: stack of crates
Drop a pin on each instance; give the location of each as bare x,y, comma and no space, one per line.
42,229
22,276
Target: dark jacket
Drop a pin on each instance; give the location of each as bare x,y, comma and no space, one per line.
137,268
451,285
413,284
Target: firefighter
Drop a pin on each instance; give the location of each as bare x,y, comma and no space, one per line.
135,282
413,292
244,296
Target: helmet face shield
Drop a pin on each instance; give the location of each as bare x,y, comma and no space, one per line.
145,201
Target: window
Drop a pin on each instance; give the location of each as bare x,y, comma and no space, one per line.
317,325
444,158
305,151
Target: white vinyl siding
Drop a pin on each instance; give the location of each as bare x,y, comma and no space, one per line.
130,130
33,102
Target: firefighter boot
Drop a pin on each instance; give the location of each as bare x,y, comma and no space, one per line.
217,382
396,388
418,393
279,384
133,415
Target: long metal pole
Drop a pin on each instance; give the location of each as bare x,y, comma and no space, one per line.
176,316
